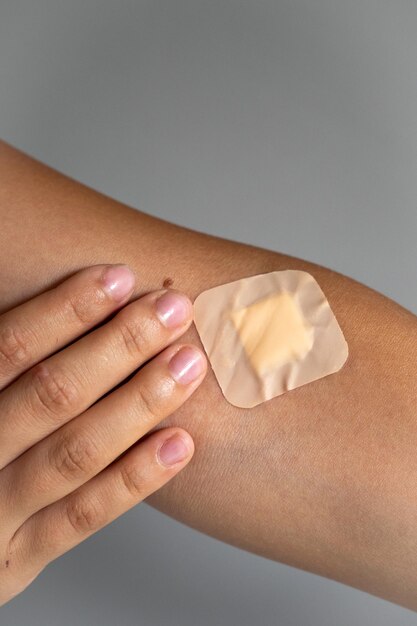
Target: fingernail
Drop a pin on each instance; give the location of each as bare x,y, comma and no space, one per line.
118,281
173,309
186,365
173,450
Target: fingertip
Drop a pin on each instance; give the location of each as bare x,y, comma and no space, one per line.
118,281
174,309
177,448
188,365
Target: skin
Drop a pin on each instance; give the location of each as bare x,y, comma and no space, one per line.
64,469
322,478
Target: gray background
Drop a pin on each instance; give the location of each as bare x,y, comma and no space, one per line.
288,124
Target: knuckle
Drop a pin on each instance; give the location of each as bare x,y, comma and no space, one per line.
134,481
85,515
14,346
135,339
147,402
74,457
53,390
83,310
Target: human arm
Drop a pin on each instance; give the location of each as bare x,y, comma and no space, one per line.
323,477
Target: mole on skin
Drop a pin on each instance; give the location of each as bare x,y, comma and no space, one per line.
168,282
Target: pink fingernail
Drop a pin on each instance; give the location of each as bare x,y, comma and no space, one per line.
173,309
118,281
186,365
173,450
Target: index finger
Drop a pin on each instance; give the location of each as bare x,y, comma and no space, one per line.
48,322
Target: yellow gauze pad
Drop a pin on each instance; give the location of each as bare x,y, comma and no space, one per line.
267,334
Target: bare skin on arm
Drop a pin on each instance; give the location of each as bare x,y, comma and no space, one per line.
323,477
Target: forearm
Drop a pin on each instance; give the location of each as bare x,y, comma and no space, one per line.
323,477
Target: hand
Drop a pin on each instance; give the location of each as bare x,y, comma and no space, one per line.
62,476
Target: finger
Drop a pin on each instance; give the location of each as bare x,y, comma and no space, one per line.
85,446
41,326
66,384
141,471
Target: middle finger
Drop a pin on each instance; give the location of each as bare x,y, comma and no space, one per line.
66,384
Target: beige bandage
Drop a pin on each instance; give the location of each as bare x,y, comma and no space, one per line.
268,334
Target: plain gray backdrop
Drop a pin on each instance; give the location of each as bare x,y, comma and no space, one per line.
289,124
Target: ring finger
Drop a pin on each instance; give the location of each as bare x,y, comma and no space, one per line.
82,448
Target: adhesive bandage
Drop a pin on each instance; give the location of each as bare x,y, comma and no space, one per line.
267,334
